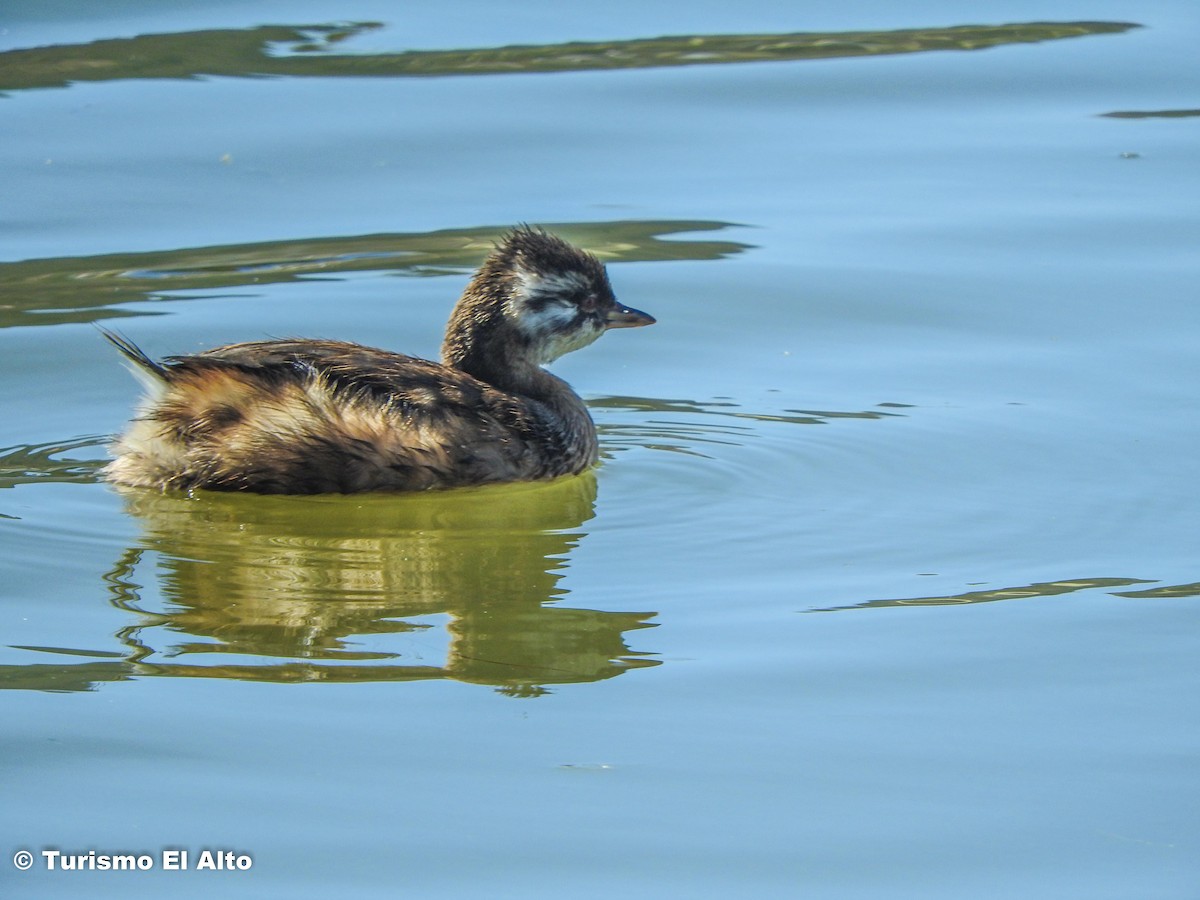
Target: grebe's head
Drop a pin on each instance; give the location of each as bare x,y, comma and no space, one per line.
535,298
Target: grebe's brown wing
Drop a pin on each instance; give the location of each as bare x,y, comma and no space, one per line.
323,416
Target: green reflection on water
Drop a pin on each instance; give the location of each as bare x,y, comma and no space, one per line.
288,50
1191,589
1022,592
339,589
716,421
89,288
1153,114
44,463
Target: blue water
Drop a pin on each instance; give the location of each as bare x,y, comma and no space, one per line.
886,586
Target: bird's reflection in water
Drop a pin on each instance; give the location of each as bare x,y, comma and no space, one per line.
335,588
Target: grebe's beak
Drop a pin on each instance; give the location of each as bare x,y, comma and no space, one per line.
627,317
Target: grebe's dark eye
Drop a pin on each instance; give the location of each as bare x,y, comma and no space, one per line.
588,303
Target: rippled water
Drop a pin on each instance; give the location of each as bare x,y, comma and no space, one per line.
887,583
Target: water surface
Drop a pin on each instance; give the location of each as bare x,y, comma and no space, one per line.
886,585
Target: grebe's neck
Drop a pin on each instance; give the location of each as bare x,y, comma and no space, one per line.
551,400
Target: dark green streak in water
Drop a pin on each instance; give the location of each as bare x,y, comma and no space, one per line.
43,464
288,50
1170,590
1023,592
88,288
1153,114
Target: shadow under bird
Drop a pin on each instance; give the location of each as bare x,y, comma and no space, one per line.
317,416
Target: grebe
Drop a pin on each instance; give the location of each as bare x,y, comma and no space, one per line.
316,416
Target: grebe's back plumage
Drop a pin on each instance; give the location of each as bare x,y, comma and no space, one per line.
310,416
